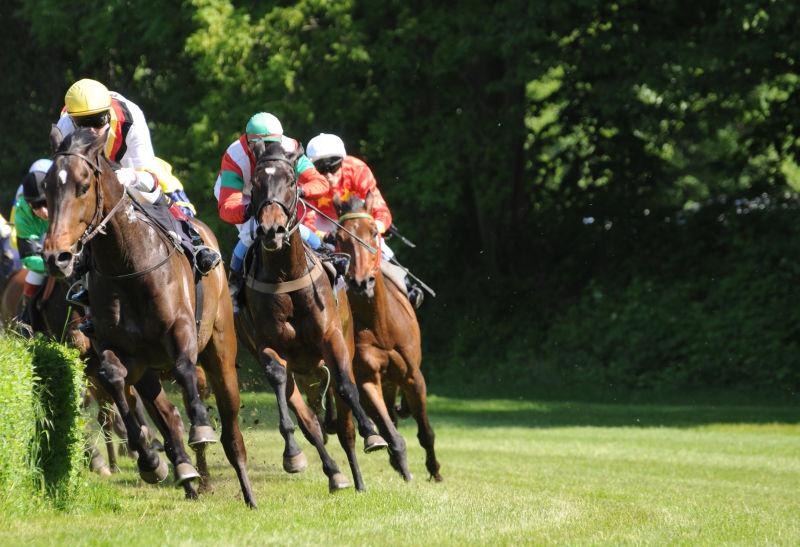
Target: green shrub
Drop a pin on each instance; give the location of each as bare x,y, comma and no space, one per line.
41,426
17,421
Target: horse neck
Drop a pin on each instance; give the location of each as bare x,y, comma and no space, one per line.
374,312
123,247
286,264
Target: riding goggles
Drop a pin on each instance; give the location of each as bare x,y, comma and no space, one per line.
328,165
94,120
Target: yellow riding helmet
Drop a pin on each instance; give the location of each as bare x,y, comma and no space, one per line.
86,97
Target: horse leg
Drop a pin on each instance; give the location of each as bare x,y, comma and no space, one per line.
219,358
105,417
169,423
186,375
334,351
200,447
112,374
375,402
139,410
389,397
294,460
347,439
309,425
415,393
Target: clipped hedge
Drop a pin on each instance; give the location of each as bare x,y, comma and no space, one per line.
41,426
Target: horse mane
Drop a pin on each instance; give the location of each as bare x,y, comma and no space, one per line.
353,205
82,139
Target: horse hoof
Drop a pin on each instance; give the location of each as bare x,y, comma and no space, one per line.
154,476
104,471
157,445
337,482
185,472
295,464
201,434
373,443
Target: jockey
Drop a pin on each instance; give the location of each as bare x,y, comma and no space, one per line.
31,221
347,176
233,187
89,103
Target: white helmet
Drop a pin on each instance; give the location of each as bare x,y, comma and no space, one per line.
41,166
325,145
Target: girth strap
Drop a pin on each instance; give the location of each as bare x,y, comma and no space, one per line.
286,286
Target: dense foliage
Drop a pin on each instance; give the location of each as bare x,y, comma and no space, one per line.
41,427
531,149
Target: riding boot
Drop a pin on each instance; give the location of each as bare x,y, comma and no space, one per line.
341,262
79,298
205,258
25,316
86,326
415,294
235,283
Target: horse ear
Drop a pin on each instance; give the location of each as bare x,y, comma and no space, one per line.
55,137
368,202
96,148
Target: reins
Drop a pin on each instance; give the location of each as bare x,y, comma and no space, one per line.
369,247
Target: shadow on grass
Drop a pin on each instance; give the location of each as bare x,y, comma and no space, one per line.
572,406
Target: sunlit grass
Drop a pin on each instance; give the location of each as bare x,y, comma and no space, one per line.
515,472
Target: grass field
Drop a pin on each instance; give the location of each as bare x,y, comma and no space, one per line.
515,472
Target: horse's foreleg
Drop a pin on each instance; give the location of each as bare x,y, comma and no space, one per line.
376,405
309,425
347,439
105,417
112,377
186,376
139,411
334,351
169,423
415,393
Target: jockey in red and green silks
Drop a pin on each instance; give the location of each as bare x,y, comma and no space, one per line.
233,186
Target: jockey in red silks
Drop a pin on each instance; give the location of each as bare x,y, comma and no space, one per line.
234,186
348,175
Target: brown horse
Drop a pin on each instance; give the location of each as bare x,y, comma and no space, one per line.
388,349
53,317
142,291
291,321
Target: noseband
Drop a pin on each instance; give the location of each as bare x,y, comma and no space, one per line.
98,222
291,210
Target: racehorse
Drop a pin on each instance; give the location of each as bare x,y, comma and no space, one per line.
387,337
51,315
143,301
291,319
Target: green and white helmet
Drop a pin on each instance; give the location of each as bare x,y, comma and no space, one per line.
264,127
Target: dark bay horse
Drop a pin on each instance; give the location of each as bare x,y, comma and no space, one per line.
291,321
387,337
142,294
52,316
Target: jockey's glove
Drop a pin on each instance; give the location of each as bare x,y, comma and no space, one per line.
5,230
138,180
127,176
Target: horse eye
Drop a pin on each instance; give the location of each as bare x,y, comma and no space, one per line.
81,189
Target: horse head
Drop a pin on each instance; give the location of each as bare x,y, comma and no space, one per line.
355,216
275,195
74,197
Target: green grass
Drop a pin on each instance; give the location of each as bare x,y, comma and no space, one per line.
515,472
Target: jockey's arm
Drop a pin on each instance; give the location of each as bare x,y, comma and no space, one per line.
365,183
314,185
230,197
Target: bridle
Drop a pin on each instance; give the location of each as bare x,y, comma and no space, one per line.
354,216
291,210
98,222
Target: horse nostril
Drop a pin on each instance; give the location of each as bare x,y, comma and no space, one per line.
371,282
280,230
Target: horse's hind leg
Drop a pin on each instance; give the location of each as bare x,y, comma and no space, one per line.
105,417
389,391
112,377
220,359
335,352
294,460
309,425
138,410
169,423
375,402
416,396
